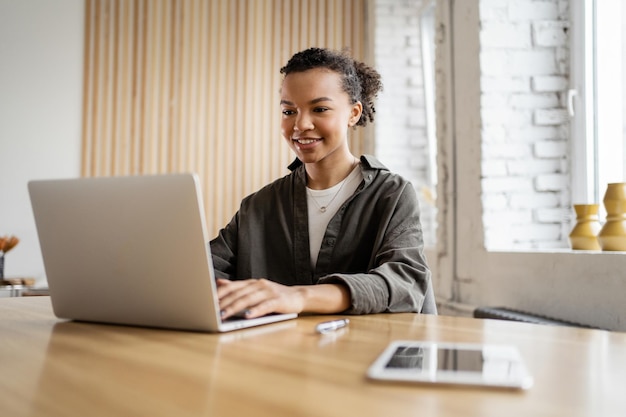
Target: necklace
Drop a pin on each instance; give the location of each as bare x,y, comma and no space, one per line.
324,207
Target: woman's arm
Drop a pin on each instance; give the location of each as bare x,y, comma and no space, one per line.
257,297
398,279
223,250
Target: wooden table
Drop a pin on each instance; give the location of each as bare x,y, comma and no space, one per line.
50,367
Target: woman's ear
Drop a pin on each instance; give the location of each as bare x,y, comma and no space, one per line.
357,110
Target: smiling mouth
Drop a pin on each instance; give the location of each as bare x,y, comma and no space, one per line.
304,141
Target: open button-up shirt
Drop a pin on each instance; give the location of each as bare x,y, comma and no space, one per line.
373,244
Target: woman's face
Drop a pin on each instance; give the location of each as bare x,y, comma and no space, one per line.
316,114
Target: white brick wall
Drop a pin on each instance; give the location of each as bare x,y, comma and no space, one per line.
524,62
549,83
400,126
524,65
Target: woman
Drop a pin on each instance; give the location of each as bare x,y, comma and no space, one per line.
338,234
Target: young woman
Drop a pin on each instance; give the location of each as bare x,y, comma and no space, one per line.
338,234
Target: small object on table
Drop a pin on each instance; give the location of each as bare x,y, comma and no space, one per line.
329,326
6,244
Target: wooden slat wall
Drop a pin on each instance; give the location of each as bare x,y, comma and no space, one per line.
193,86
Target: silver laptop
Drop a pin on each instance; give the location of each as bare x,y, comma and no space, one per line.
130,250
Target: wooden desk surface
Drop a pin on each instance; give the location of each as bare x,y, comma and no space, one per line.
50,367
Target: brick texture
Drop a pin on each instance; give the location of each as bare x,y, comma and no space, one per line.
401,124
524,60
525,63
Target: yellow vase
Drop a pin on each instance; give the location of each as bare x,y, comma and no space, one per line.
612,236
584,235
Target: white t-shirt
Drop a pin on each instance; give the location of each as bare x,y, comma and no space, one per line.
331,198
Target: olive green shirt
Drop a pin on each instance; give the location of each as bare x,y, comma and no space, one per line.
373,244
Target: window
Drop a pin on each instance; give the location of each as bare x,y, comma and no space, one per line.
577,286
598,98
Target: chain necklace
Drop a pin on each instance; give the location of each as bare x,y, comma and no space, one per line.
324,207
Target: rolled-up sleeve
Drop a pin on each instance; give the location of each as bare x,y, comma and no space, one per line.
398,279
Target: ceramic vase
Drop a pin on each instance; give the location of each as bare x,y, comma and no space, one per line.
612,236
584,235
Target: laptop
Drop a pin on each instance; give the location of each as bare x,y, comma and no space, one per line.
130,250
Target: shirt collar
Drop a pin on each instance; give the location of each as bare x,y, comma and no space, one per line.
368,162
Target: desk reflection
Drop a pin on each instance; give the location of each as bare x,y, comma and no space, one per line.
94,369
52,368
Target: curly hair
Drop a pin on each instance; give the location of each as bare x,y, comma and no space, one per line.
360,81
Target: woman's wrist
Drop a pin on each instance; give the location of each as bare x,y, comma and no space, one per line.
325,298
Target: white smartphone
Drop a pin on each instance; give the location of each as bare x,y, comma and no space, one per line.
499,366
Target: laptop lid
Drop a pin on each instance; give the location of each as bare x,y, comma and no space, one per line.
130,250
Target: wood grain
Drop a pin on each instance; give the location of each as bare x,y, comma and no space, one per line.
57,368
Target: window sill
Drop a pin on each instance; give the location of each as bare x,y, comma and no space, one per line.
563,251
579,286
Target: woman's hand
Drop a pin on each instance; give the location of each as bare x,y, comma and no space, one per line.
258,297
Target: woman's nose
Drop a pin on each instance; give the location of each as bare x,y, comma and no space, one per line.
303,123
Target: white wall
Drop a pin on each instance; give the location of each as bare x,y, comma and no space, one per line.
41,58
524,80
402,142
524,58
579,286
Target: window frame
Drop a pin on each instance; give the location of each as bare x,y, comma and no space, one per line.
584,287
592,102
580,104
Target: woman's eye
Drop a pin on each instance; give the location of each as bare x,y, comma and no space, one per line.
320,109
288,112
